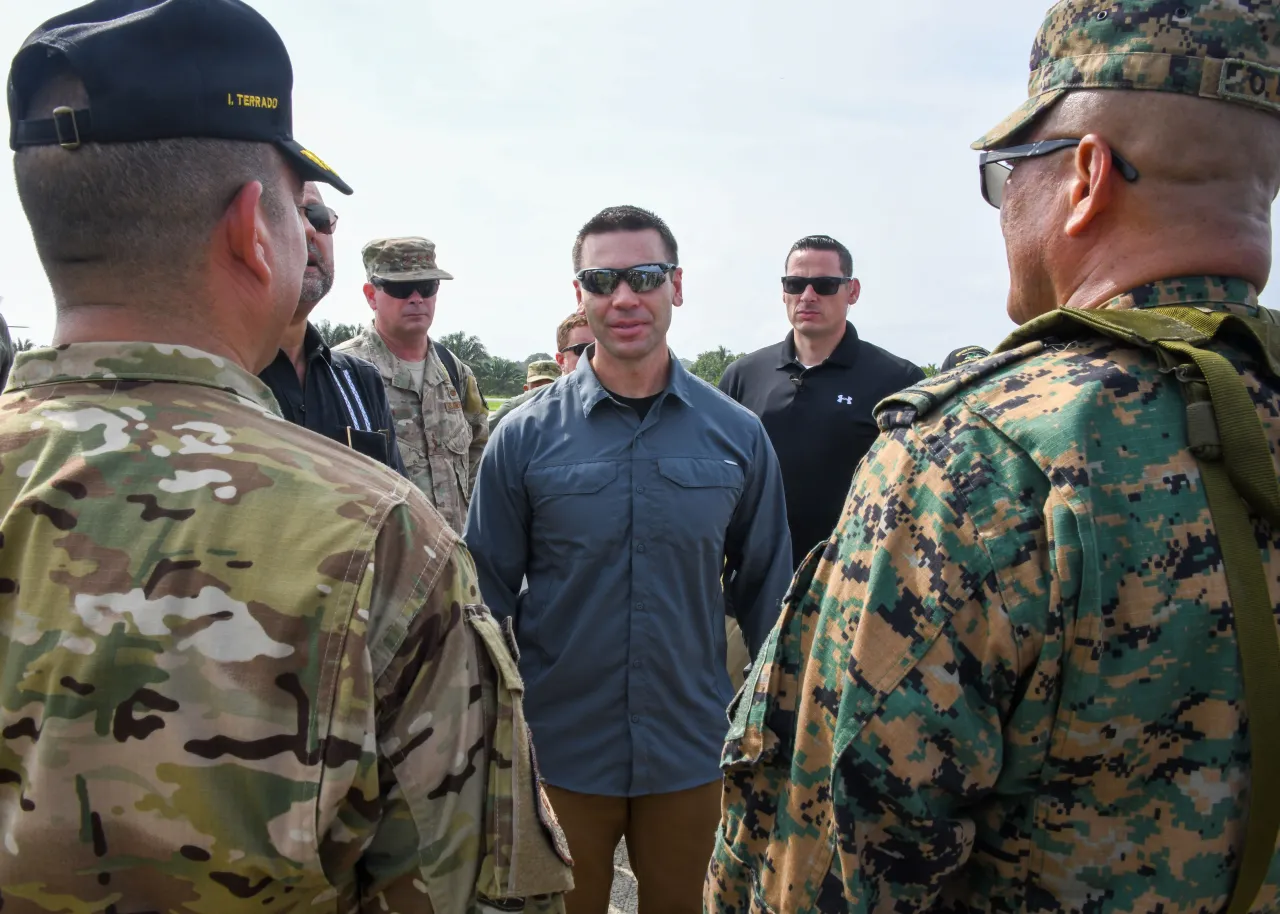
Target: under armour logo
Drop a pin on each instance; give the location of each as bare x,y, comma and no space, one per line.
847,401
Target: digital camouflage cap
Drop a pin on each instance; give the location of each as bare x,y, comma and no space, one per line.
544,370
402,260
1227,50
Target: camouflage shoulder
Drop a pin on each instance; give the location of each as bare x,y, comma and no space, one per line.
947,388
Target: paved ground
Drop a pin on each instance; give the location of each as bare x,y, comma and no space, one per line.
624,884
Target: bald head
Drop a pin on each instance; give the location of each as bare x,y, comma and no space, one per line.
1078,233
1177,141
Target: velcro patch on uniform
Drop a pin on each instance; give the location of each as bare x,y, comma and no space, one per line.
547,814
1250,82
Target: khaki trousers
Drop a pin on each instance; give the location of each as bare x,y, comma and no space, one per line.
670,838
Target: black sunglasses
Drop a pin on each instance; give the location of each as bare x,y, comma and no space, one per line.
424,287
322,218
995,165
643,277
823,285
577,349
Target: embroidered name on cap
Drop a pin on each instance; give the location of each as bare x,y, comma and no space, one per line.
1250,82
236,100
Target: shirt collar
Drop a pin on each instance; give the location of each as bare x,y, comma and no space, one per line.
137,362
313,344
845,354
1210,293
679,384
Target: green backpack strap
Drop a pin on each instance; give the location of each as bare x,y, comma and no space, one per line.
1232,451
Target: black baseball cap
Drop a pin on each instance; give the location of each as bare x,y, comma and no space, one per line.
162,69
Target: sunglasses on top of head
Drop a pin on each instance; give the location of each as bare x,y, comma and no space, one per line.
995,165
822,285
424,287
323,219
644,277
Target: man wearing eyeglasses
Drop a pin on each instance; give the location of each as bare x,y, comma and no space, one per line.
1036,668
573,336
441,420
330,393
815,391
622,492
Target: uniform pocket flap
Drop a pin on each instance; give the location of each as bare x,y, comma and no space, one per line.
573,479
701,472
490,633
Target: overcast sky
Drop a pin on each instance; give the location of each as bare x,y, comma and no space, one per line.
496,129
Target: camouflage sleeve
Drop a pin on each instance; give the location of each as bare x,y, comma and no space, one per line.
476,411
884,704
458,796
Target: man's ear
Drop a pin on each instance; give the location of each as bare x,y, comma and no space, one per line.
677,281
246,232
577,292
855,292
1093,184
370,293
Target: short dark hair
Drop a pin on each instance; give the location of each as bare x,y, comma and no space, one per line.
145,207
822,243
624,219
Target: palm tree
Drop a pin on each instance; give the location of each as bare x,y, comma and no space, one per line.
468,349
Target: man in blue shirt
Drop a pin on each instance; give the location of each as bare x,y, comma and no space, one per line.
625,492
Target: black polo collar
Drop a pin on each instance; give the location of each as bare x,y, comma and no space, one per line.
313,345
845,354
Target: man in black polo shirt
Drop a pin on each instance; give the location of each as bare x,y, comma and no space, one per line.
330,393
815,390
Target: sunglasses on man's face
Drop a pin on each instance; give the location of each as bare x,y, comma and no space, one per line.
322,218
996,165
644,277
424,287
577,349
822,285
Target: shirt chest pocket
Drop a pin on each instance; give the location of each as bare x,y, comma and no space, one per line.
702,493
578,508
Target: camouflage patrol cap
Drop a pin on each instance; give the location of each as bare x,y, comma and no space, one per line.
544,370
1227,50
402,260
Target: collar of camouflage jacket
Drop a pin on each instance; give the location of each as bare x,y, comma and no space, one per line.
137,362
1210,293
396,371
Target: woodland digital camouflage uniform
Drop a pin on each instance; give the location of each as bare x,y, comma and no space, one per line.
441,431
244,668
1011,680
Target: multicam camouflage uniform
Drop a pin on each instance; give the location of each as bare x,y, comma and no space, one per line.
441,431
1011,680
244,669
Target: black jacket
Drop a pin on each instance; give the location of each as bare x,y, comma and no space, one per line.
344,400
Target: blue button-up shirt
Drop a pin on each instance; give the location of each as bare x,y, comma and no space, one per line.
623,529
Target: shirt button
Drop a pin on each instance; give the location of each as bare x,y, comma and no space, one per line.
635,718
640,606
636,664
640,547
639,490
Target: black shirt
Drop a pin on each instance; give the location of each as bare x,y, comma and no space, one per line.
641,405
343,399
820,421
